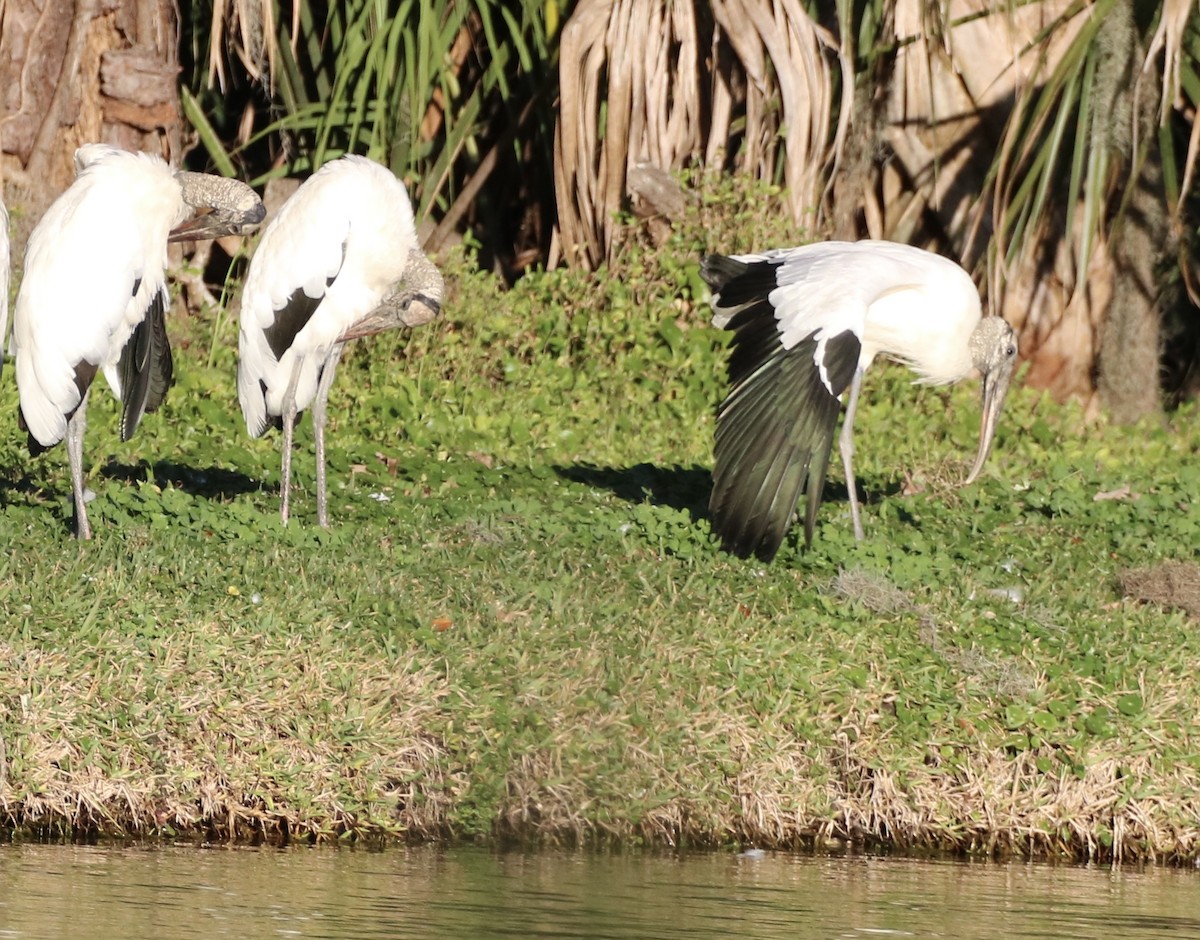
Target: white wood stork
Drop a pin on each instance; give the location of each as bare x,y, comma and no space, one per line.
4,272
94,295
807,323
340,260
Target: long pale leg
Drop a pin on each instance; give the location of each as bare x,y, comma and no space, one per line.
289,426
846,446
75,429
318,416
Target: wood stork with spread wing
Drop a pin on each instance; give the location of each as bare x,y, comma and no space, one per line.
341,260
94,293
807,323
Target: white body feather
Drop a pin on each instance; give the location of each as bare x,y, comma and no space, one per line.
344,237
100,238
5,262
902,302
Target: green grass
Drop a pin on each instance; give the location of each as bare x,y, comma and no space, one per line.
533,635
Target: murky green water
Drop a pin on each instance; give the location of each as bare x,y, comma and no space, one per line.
110,892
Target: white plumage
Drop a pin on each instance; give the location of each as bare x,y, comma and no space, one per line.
340,260
808,322
5,267
92,266
94,274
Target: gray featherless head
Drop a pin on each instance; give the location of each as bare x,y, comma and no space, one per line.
993,345
994,353
424,285
414,300
227,207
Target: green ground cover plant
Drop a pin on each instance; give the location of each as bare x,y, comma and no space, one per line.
519,626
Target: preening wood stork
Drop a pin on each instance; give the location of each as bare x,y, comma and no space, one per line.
341,260
807,323
94,295
4,272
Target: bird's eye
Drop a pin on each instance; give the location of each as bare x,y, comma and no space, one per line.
1011,351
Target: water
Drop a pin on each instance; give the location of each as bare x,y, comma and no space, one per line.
122,892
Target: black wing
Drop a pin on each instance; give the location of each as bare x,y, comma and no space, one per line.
289,320
775,428
162,362
294,315
146,366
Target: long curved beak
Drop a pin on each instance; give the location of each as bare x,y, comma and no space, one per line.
218,223
995,387
222,206
399,309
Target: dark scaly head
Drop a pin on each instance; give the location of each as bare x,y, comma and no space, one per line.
223,206
414,300
424,286
993,347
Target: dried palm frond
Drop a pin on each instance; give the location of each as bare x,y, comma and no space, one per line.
629,91
1168,41
251,38
785,57
655,82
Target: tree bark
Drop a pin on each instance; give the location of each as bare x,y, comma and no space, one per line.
1128,366
79,71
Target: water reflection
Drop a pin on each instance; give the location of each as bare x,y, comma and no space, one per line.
123,892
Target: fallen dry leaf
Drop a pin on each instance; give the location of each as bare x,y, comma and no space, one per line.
1123,492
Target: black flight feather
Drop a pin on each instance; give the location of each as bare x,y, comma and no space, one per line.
294,315
289,320
145,367
775,427
162,363
739,282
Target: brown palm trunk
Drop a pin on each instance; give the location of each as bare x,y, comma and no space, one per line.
1130,355
77,71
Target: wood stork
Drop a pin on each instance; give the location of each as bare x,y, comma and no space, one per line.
807,323
340,260
94,295
4,271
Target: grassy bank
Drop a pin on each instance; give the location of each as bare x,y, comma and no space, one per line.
520,627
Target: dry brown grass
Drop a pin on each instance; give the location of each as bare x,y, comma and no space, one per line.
797,794
225,747
1168,583
219,749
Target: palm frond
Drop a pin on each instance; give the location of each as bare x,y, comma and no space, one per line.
760,88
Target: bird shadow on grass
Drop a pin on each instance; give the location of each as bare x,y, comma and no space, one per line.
683,488
688,488
215,483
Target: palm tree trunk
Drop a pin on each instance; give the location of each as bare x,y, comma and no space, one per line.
76,71
1130,355
1128,364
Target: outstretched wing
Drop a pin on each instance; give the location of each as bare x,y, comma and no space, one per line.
775,428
